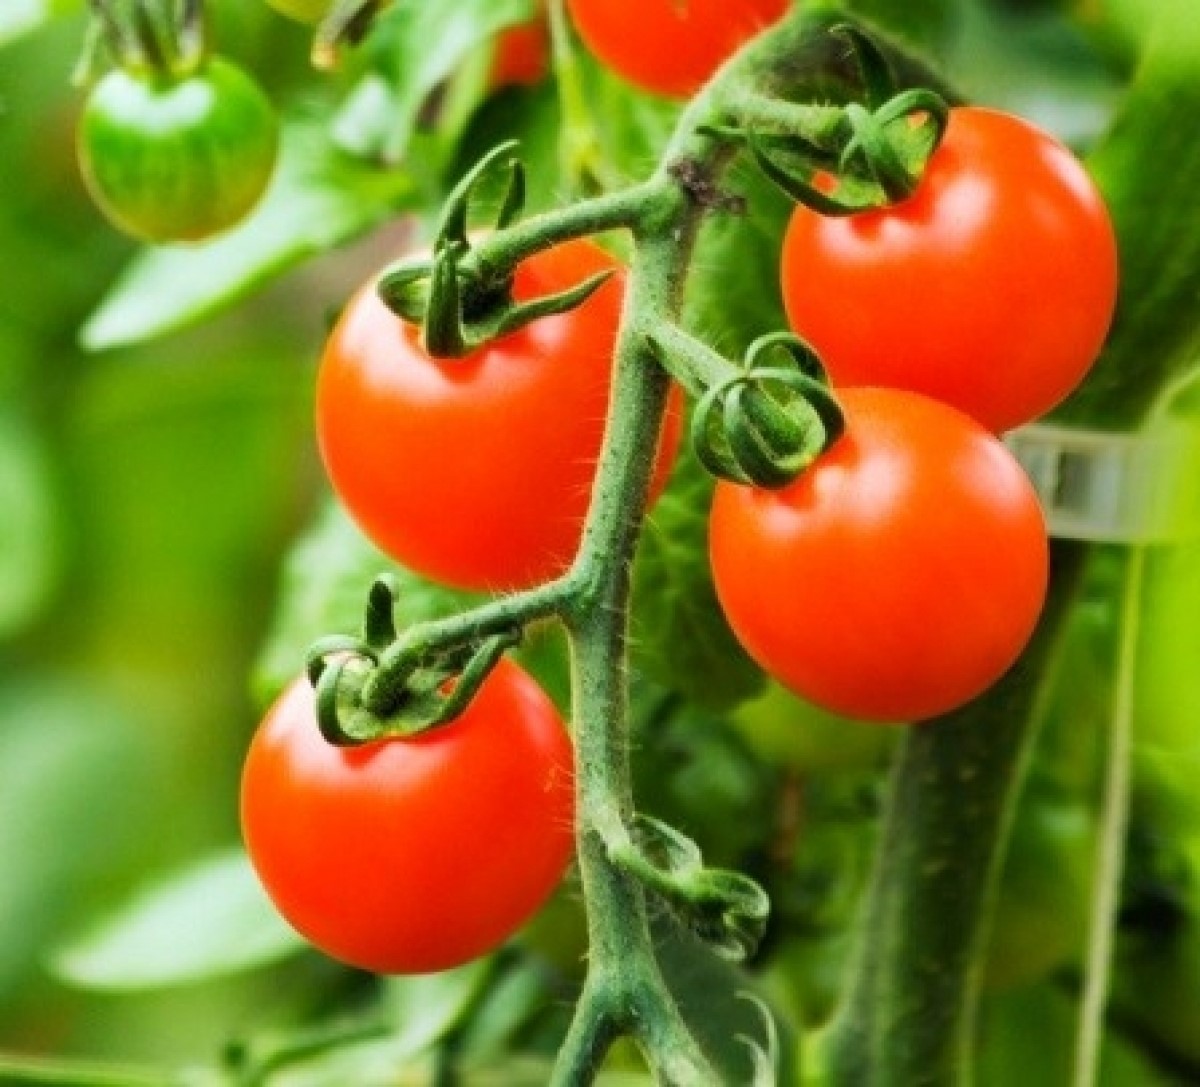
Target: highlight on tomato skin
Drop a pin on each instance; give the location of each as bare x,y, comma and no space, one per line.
413,855
670,47
478,472
991,288
899,576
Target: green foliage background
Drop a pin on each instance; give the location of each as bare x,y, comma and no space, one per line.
167,549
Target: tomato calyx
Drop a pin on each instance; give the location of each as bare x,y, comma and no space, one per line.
727,910
762,421
142,38
845,160
461,305
382,685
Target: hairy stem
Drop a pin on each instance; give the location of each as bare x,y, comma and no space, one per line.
910,1010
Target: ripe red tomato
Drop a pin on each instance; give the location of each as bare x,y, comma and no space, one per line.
992,287
899,576
477,471
522,55
412,855
671,47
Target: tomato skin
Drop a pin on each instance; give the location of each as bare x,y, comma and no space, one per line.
415,855
522,56
477,471
670,47
899,576
177,159
991,288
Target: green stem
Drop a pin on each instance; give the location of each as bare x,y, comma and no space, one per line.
18,1071
1113,833
910,1010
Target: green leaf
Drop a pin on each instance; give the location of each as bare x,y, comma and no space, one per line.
412,49
320,198
208,921
324,591
680,636
65,756
1148,168
427,1007
19,17
30,541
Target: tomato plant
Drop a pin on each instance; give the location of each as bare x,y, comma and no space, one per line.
964,291
412,855
667,46
897,578
177,158
512,431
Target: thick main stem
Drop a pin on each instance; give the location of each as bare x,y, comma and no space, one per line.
909,1015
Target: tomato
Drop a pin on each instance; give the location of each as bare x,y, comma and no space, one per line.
991,288
522,56
671,47
177,159
896,578
412,855
476,471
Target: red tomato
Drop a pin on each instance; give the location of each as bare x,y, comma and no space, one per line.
522,56
477,471
671,47
899,576
991,288
414,855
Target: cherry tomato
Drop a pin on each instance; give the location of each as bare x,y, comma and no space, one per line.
671,47
476,471
177,159
522,56
412,855
899,576
991,288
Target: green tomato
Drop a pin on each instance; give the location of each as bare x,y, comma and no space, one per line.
303,11
789,732
177,158
1042,909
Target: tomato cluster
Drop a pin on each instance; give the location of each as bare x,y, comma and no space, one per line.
413,855
904,572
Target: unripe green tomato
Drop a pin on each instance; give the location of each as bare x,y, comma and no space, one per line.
303,11
787,731
177,158
1042,909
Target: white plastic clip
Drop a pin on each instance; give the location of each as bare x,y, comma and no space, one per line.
1114,488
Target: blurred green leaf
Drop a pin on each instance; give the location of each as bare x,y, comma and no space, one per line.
30,544
18,17
208,921
412,49
425,1008
320,198
65,755
324,588
1148,168
680,636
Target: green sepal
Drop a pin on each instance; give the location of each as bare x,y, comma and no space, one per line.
348,22
727,910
